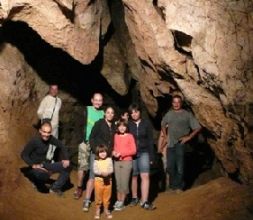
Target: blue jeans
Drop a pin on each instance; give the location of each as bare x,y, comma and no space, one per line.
175,166
141,164
42,176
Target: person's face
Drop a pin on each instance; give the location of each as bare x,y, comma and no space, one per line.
136,115
45,132
109,114
53,90
102,154
97,101
176,104
122,129
125,116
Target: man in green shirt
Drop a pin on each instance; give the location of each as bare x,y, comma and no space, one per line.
92,114
182,127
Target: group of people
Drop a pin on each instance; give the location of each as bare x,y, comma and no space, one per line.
124,147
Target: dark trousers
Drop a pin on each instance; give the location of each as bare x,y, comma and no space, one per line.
39,176
175,166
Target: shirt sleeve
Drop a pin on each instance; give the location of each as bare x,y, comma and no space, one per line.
110,166
93,135
62,147
41,108
96,168
28,149
150,141
115,143
164,120
194,124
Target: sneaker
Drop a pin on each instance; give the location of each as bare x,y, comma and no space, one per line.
134,202
148,206
78,193
116,204
108,214
86,205
119,206
57,192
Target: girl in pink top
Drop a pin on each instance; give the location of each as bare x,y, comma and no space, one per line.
123,151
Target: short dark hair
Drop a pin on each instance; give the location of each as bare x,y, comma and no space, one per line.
134,107
101,148
122,112
122,122
177,97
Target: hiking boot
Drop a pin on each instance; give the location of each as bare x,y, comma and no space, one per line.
86,205
148,206
78,193
57,192
134,202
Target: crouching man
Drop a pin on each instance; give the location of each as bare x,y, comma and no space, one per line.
35,155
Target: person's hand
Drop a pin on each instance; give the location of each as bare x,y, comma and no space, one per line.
184,139
116,154
65,163
39,166
104,174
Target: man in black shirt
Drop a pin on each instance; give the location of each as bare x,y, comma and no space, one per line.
35,155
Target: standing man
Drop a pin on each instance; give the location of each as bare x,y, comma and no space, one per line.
182,127
34,154
91,114
49,109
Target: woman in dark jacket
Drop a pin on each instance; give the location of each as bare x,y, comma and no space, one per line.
102,133
143,134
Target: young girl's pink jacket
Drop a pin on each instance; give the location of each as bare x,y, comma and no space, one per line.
125,145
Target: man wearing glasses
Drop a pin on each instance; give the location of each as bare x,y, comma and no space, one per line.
34,154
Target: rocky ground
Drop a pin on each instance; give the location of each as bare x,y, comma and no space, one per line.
218,199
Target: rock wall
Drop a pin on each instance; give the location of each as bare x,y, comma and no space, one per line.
203,49
18,104
206,47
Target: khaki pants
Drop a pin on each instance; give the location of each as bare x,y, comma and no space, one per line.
102,193
122,170
83,156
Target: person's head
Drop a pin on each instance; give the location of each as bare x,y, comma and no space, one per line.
101,152
124,115
122,126
97,100
109,113
53,90
177,102
135,112
45,131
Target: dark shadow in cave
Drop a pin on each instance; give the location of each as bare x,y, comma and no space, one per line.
54,65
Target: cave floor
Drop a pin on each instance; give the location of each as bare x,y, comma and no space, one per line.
218,199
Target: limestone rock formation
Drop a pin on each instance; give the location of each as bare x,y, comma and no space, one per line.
73,26
203,49
206,47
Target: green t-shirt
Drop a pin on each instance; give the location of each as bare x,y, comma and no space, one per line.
93,115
